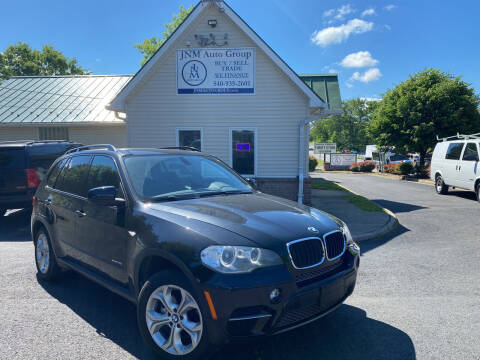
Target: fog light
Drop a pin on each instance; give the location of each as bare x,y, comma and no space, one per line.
275,296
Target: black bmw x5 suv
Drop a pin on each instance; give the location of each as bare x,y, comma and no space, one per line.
204,256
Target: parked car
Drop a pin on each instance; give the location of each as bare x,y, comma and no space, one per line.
398,159
23,164
455,163
204,256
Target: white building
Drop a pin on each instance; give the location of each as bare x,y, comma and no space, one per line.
214,85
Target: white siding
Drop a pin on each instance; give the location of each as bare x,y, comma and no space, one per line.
87,135
114,135
8,133
154,110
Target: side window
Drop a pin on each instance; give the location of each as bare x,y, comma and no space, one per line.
103,172
73,176
454,151
471,152
52,178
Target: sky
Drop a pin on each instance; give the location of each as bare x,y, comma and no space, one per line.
372,45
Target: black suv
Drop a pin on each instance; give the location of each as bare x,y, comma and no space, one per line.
23,164
204,256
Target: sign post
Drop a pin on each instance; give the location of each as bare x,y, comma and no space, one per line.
216,71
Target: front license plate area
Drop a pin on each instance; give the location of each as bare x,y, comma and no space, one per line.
332,294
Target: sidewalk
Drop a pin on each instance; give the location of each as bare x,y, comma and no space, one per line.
364,225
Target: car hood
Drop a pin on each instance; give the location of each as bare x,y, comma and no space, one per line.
266,220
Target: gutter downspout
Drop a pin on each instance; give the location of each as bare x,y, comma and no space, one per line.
301,151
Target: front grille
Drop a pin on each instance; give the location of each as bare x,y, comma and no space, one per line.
335,245
299,315
306,253
318,274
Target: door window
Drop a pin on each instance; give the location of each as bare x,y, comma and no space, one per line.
190,138
72,179
454,151
52,178
103,172
471,152
243,151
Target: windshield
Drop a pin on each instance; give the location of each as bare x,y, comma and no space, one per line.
398,157
176,177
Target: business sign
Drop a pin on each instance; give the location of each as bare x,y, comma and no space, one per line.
325,148
342,161
216,71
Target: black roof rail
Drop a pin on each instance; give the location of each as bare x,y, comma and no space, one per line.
189,148
92,147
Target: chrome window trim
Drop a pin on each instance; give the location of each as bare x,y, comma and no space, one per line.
305,239
326,248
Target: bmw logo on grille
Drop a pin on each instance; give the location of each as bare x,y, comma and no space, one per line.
313,229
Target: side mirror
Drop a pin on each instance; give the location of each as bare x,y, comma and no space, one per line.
252,182
104,196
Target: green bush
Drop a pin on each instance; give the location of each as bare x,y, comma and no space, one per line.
405,168
422,172
391,169
312,163
355,167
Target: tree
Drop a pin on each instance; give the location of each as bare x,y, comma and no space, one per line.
21,60
347,129
429,103
149,46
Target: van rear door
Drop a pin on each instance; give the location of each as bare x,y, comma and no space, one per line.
13,162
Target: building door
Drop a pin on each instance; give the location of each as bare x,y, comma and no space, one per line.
243,151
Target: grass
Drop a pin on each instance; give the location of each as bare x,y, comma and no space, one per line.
326,185
363,204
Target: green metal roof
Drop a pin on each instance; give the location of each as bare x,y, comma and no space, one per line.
326,87
59,99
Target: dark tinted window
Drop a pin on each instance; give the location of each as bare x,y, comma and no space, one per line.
243,151
454,151
103,172
471,152
54,174
74,174
12,158
43,155
191,138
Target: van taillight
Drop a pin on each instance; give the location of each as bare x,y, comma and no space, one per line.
32,179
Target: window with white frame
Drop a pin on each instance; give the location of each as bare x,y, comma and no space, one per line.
53,133
243,151
190,138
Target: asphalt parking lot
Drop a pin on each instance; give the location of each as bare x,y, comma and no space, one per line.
417,294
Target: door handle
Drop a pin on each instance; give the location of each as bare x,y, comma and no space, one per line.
80,213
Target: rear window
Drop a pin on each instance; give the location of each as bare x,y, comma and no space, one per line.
454,151
12,158
43,155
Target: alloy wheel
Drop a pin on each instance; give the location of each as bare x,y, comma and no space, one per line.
174,320
43,253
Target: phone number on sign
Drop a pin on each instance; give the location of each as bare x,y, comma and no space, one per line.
231,83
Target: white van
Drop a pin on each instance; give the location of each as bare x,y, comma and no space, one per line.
455,163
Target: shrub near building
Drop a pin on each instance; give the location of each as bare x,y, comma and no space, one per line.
364,166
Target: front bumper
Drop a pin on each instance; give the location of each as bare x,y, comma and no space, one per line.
245,311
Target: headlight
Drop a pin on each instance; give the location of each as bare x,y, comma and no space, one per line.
347,234
238,259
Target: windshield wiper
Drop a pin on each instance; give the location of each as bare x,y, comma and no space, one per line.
224,192
161,198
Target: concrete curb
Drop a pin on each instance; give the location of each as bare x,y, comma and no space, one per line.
389,226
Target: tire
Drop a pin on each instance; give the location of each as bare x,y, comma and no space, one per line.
440,186
172,287
47,267
477,191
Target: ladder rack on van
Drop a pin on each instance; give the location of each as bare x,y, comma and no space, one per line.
460,137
